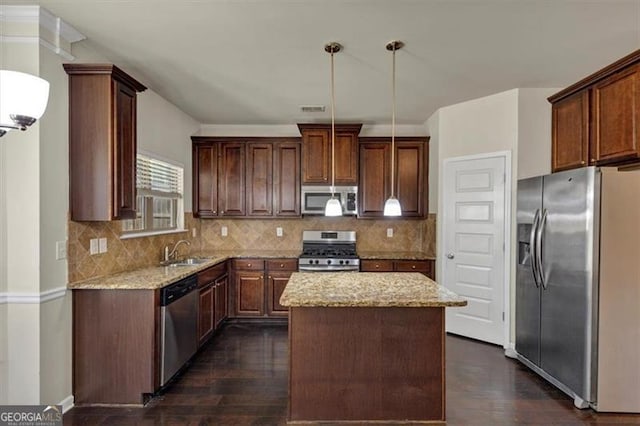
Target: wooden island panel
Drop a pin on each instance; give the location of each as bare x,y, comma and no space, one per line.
366,364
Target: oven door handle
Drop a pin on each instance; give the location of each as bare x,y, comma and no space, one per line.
354,268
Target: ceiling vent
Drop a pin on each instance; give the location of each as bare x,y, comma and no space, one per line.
312,108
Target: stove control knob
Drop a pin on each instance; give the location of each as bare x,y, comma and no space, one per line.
346,262
310,262
342,262
328,262
317,261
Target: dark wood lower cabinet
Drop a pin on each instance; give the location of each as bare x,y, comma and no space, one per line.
206,312
212,308
425,266
116,346
221,300
258,285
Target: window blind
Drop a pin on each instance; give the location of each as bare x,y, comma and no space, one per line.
157,178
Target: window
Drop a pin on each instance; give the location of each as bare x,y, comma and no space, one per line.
159,197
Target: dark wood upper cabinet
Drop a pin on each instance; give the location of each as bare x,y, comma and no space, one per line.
205,179
570,132
411,170
102,142
616,117
259,179
231,179
286,179
316,153
595,121
246,177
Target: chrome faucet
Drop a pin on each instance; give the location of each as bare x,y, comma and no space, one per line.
171,254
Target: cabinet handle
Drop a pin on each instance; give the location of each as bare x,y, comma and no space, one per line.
221,211
413,266
269,276
593,160
282,265
583,162
214,212
377,266
248,265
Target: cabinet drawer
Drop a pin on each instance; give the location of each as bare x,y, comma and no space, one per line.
282,265
211,274
413,266
248,264
376,265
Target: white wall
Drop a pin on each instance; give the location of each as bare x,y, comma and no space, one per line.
534,132
432,124
165,132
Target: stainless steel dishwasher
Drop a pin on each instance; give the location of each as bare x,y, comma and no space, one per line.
179,319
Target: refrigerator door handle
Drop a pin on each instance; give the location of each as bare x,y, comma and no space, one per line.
532,248
540,232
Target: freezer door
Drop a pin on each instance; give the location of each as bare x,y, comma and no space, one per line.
569,253
527,291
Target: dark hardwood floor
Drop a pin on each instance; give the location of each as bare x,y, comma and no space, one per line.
240,378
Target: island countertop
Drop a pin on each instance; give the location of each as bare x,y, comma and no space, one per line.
366,289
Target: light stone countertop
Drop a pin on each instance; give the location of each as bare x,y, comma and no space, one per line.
155,277
395,255
366,289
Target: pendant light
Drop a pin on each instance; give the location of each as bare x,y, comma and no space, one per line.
392,205
333,207
23,99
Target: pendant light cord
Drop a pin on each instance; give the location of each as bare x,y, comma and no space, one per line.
333,133
393,119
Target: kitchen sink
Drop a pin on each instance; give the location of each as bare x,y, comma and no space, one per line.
191,261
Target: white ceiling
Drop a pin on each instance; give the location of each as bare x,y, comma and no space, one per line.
257,62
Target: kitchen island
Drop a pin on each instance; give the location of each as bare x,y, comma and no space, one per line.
366,347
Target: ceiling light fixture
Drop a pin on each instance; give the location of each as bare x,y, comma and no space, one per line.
23,99
392,205
333,207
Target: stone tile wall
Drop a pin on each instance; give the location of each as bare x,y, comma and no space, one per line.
243,234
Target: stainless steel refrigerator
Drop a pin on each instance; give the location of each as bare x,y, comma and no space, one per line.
558,311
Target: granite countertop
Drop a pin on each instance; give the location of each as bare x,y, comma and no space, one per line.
155,277
366,289
395,255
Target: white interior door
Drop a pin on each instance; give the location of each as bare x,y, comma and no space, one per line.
473,251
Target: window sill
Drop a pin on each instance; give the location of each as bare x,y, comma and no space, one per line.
151,233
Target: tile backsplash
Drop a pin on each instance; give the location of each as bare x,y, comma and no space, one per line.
242,234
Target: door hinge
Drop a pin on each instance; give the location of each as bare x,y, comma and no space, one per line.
502,316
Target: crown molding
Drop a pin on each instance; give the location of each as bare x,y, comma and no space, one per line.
41,16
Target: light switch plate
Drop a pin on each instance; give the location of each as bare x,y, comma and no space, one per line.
61,250
389,232
224,231
94,247
102,244
279,231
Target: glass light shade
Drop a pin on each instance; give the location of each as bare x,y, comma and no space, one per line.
22,94
392,207
333,207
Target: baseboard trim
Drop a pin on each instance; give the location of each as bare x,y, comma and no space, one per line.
510,351
67,404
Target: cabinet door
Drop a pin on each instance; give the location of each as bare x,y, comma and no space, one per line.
616,117
221,300
259,179
205,180
374,178
205,314
316,156
287,179
231,175
249,294
570,132
411,163
346,157
368,265
276,282
124,155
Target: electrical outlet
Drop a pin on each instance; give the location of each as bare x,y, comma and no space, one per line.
61,250
94,246
389,232
224,231
193,232
102,245
278,231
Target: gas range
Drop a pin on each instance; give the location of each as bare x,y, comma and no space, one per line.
328,251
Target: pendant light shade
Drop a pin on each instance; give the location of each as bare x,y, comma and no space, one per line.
392,205
23,99
333,206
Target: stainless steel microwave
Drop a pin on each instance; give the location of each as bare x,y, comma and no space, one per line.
314,199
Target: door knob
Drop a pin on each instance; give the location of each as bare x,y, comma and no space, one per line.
450,256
